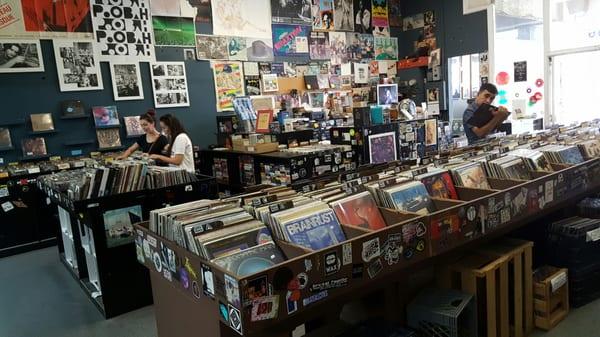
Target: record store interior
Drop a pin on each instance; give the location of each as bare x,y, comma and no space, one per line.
290,168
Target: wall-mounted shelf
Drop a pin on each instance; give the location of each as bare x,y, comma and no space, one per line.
108,126
6,148
30,158
75,117
13,123
42,132
114,148
80,142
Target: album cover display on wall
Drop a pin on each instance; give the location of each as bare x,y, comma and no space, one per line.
34,147
77,65
169,84
386,48
363,17
118,225
132,126
126,81
242,18
259,49
5,140
381,26
42,122
20,56
237,48
382,148
290,40
294,11
45,18
71,109
105,116
174,31
338,46
361,46
395,13
322,15
344,15
108,138
211,47
123,31
229,83
319,46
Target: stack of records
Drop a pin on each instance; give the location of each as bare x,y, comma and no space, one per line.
164,176
471,175
407,197
534,159
562,154
313,225
507,167
359,210
589,148
589,208
438,183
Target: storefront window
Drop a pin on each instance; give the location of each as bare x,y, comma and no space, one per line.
574,24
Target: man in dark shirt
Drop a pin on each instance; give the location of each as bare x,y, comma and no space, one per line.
486,95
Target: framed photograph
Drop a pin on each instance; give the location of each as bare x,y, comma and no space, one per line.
387,94
264,120
20,56
433,95
105,116
169,84
431,136
126,81
382,148
269,82
77,65
132,126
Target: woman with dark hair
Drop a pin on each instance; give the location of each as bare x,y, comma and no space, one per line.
180,147
152,142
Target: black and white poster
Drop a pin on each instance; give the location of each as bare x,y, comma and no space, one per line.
20,56
291,11
363,16
123,30
126,81
343,15
521,71
77,65
169,84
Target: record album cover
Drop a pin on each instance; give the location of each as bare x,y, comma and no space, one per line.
132,126
315,231
33,147
105,115
382,148
118,225
108,138
440,186
251,260
72,108
359,210
5,141
42,122
412,197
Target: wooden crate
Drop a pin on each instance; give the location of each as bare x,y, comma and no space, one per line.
500,278
256,148
551,307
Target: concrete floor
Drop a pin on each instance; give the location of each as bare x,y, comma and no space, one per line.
39,298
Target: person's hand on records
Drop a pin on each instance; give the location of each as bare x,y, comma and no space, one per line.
155,156
501,112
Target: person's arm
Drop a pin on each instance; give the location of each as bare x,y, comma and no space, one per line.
129,151
13,61
175,160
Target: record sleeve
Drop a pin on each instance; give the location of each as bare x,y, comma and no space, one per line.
42,122
315,231
440,186
482,115
252,260
359,210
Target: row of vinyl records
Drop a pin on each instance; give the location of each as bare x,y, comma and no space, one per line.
115,177
241,233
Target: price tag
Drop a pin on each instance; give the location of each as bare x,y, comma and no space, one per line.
593,235
558,281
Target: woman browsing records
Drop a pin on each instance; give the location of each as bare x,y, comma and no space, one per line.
151,142
180,147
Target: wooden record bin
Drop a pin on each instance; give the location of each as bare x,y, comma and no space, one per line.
191,293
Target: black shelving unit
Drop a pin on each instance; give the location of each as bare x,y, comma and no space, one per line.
74,117
80,142
114,148
45,132
32,158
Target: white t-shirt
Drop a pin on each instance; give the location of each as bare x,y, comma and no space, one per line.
183,145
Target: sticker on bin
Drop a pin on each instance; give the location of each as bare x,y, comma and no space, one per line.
558,281
189,188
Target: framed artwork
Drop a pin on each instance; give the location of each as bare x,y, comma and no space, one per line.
20,56
77,65
126,81
264,120
169,84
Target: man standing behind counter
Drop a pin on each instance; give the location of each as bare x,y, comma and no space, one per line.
486,95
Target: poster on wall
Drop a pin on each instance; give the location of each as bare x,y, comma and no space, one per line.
343,15
290,40
295,12
77,65
520,71
174,32
20,56
169,84
395,14
386,48
338,46
45,18
166,8
211,47
259,49
237,49
362,17
362,46
123,31
322,15
381,26
242,18
229,83
200,8
126,81
361,73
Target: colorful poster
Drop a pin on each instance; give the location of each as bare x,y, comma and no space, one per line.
386,48
322,15
237,49
11,20
211,47
229,83
361,46
363,17
174,31
294,11
290,40
123,31
319,46
380,16
169,84
77,65
242,18
343,15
